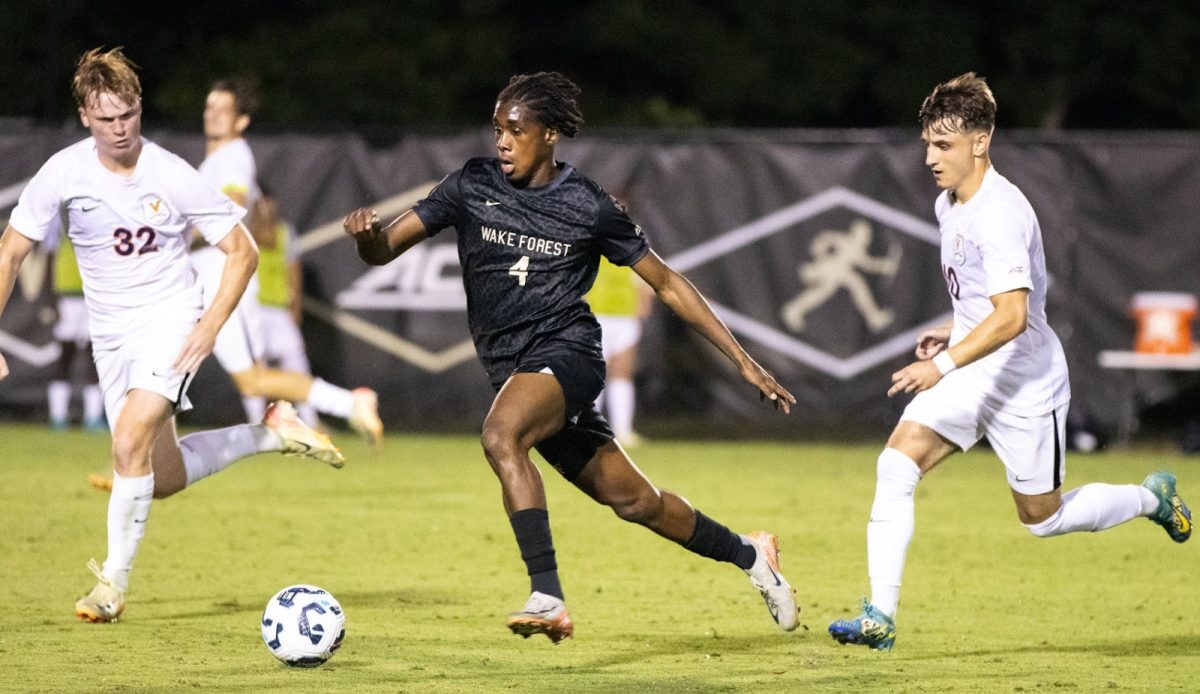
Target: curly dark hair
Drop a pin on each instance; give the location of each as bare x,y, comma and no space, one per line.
550,96
961,104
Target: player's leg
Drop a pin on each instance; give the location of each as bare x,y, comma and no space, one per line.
622,337
611,478
58,392
1033,452
284,344
934,425
528,408
359,407
93,399
139,414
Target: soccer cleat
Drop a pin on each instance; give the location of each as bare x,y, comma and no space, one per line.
872,629
298,438
105,603
765,577
365,417
542,614
1173,515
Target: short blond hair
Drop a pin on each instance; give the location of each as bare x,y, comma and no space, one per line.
965,102
101,71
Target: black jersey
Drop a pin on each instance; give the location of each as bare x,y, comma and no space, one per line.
529,256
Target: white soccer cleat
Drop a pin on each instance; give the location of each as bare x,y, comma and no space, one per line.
542,614
298,438
765,578
365,417
105,603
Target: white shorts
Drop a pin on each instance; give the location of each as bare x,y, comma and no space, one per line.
239,344
618,333
282,340
144,361
1031,448
72,325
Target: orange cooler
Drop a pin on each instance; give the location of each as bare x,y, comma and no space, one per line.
1164,322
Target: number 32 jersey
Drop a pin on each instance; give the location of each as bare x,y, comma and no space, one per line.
529,255
129,232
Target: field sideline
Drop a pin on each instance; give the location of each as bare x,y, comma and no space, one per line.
414,543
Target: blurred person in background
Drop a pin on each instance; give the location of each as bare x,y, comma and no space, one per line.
621,302
74,341
997,370
230,167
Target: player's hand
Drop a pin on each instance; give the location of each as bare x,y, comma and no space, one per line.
3,368
930,342
362,221
198,345
914,378
768,387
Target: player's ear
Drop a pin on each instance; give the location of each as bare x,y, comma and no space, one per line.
242,122
83,117
551,136
982,140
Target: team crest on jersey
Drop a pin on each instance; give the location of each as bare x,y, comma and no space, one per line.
960,255
155,209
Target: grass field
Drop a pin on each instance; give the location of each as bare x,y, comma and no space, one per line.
414,544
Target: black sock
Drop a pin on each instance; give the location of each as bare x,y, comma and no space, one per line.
532,528
715,541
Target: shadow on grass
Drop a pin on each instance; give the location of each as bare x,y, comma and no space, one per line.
1149,647
360,599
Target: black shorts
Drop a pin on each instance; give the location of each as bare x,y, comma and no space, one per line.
581,376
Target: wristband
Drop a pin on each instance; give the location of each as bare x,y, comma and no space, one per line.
944,363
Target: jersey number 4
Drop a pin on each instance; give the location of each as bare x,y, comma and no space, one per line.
520,270
125,245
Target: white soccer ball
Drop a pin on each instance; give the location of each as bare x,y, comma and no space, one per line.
303,626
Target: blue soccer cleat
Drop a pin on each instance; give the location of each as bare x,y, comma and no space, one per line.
1173,515
872,629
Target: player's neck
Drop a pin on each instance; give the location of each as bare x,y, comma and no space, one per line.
971,185
122,165
215,143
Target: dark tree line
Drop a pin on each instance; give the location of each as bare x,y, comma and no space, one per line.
379,66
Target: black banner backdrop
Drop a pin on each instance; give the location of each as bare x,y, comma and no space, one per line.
818,248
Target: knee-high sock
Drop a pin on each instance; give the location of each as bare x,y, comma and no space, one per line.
715,541
93,403
128,509
331,399
531,527
891,527
58,396
1095,507
620,400
208,452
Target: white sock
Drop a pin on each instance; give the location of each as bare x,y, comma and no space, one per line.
93,403
891,527
255,408
58,397
208,452
331,399
1095,507
620,405
128,509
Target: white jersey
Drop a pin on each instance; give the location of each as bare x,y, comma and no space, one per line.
230,169
129,232
992,244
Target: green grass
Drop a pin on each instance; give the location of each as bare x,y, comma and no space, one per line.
414,544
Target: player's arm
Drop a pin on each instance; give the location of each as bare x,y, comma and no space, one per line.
1008,319
295,285
674,290
381,245
241,259
931,342
14,248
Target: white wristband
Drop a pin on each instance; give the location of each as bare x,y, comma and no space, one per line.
944,363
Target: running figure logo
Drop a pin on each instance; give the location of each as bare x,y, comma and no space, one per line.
839,260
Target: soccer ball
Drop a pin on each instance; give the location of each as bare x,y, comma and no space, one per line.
303,626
